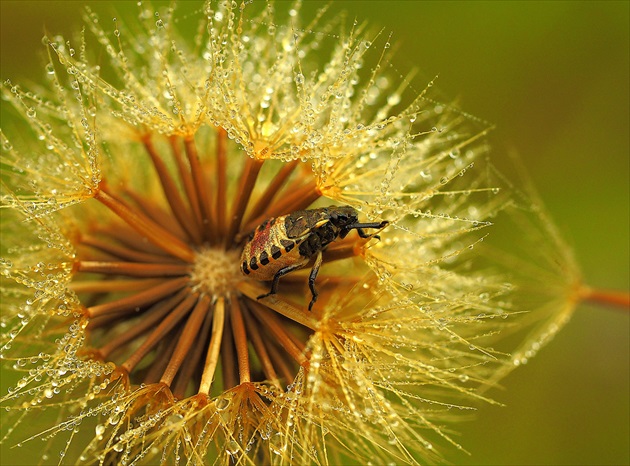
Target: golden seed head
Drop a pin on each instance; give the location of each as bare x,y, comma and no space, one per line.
129,206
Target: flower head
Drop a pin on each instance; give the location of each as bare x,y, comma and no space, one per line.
131,190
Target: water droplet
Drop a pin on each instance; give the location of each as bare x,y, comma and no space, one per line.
232,447
277,443
221,404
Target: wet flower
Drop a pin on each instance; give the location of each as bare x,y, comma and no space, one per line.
131,189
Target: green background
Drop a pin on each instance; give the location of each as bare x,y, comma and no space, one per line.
554,78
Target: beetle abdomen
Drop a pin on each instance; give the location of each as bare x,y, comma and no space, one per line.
269,250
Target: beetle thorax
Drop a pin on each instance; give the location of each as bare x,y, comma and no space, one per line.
216,271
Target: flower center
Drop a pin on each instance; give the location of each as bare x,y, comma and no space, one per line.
216,271
161,283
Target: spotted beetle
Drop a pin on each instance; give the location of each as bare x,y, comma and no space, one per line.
281,245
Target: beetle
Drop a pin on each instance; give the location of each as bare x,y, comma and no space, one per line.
281,245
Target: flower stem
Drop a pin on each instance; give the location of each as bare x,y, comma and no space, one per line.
620,299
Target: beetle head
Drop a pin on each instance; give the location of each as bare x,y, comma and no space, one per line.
343,216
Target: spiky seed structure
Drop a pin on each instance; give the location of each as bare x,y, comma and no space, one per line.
130,188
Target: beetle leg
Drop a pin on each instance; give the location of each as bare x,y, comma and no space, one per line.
311,278
276,278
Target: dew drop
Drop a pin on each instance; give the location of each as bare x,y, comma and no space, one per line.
222,403
277,444
232,447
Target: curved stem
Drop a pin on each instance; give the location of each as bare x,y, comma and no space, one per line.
614,298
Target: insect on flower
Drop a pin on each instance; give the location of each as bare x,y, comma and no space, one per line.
281,245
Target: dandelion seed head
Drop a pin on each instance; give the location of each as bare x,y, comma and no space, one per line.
132,185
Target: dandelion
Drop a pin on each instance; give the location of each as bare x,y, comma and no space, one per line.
130,188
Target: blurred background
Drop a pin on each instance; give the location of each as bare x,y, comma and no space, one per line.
554,79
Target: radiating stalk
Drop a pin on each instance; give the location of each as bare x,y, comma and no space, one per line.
129,237
279,361
253,331
221,181
298,199
149,319
200,186
212,358
156,214
139,299
228,356
280,333
186,340
187,181
240,340
171,192
264,201
121,252
246,186
163,353
106,286
154,233
253,289
132,269
190,365
159,332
